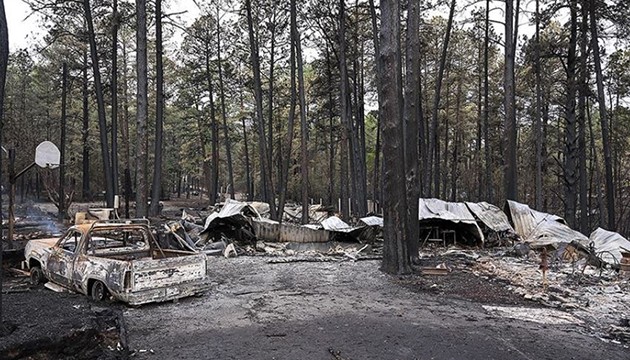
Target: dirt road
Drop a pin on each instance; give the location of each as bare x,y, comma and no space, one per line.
345,310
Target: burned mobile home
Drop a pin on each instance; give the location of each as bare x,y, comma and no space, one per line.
120,258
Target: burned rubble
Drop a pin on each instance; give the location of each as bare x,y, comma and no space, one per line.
247,227
519,257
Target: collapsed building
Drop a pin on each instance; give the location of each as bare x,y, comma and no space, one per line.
464,223
441,223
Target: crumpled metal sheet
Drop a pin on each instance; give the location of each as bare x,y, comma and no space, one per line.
436,209
491,216
609,245
542,229
372,221
362,233
334,223
232,208
269,230
316,213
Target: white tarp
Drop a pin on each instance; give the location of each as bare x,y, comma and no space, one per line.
436,209
609,245
542,229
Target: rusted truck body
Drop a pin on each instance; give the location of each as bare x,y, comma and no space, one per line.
120,258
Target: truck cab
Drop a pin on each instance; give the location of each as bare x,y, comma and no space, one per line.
120,258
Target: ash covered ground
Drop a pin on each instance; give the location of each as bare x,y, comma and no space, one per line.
486,305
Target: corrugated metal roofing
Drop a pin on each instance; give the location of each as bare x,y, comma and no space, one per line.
229,209
609,242
372,221
493,217
334,223
436,209
541,229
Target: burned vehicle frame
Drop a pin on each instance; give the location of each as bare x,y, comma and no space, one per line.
120,258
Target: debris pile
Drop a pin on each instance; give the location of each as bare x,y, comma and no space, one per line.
598,296
247,228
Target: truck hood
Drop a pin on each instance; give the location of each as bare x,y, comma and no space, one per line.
35,248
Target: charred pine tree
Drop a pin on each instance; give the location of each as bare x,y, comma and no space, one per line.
100,103
4,63
114,89
226,129
85,131
603,115
286,158
486,107
303,123
346,112
509,87
142,193
125,133
538,182
214,135
265,168
331,140
570,138
272,66
249,185
156,187
62,160
395,248
377,148
582,95
412,118
358,125
435,133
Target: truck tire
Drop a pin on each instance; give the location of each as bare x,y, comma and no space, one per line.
98,291
37,276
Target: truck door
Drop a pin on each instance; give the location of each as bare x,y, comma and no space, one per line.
60,264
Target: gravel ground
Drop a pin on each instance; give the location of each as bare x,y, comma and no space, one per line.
346,310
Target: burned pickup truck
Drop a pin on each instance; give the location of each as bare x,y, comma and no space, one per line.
119,258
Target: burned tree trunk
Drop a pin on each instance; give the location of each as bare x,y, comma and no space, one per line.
395,247
156,188
582,94
486,107
265,168
570,156
142,110
286,158
4,62
250,187
537,121
214,136
377,148
85,159
114,86
510,107
434,139
62,160
226,129
332,144
303,123
100,102
125,134
603,115
411,121
346,112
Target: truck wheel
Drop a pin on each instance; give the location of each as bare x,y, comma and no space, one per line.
37,276
98,291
